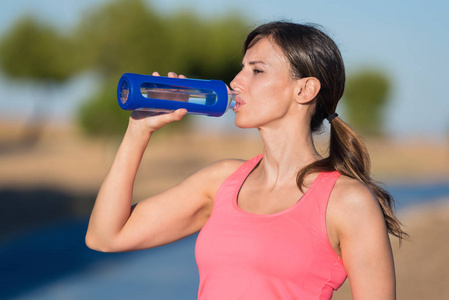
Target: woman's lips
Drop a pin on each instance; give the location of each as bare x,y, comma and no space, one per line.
238,103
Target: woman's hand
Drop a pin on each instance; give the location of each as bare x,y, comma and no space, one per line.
143,122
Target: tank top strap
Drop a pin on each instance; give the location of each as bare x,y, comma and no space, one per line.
317,199
326,184
322,189
249,166
231,186
240,175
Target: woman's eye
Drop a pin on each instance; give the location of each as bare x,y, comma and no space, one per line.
257,71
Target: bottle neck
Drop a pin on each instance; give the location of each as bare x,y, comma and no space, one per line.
231,99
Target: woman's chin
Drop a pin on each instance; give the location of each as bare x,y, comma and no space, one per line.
244,125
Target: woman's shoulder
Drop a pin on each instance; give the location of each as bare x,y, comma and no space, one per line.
349,190
209,178
352,203
352,200
221,169
226,167
215,173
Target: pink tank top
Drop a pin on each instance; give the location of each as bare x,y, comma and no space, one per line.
286,255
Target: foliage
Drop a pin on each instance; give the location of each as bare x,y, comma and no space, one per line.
123,36
366,95
33,50
207,48
36,51
128,36
117,37
100,116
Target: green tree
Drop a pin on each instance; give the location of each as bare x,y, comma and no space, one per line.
118,37
35,51
208,48
101,115
128,36
123,36
366,95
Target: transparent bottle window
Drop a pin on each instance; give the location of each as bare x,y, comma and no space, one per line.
177,93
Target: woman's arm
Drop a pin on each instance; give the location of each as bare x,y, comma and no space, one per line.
360,235
178,212
158,220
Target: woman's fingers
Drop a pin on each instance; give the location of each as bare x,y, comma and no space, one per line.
179,114
164,119
170,74
152,121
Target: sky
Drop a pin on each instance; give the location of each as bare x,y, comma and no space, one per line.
407,39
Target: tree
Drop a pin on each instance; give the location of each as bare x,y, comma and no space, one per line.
34,51
366,95
118,37
101,115
128,36
208,49
123,36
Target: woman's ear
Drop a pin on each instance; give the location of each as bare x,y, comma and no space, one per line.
307,89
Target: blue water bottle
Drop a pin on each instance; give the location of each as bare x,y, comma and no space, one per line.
166,94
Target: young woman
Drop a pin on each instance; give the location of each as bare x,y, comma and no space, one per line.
287,224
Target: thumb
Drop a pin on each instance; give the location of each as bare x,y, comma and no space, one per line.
177,115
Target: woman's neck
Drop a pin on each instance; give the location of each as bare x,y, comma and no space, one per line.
286,151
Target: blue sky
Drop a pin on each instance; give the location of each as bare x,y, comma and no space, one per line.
408,39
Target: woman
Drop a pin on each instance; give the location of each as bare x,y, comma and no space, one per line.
287,224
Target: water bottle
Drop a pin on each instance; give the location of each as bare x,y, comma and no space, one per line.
166,94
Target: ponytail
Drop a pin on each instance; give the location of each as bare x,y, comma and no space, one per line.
349,156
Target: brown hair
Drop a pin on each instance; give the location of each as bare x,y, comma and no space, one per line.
312,53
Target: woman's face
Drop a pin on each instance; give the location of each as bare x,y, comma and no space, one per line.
266,89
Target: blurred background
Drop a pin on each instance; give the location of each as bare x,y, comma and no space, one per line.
60,125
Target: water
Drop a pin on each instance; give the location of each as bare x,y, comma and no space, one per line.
407,195
53,262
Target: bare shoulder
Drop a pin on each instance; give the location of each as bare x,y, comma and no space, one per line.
209,178
350,194
222,168
228,165
353,205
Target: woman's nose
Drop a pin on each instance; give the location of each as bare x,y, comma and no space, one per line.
235,83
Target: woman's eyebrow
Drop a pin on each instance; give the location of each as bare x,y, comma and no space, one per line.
254,62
